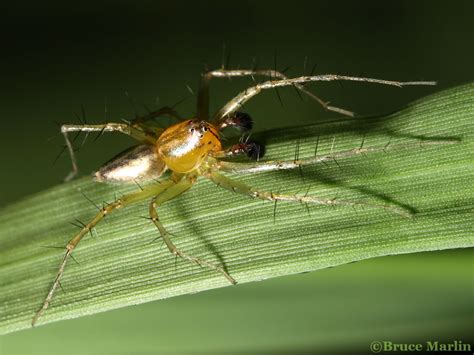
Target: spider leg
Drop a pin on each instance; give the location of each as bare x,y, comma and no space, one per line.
239,187
203,95
147,192
134,132
157,201
272,165
232,106
163,111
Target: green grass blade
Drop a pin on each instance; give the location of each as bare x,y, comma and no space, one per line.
416,297
253,239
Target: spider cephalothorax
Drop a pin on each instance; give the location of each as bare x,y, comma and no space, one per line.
183,146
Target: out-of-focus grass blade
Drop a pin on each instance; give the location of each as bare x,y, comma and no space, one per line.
428,168
411,297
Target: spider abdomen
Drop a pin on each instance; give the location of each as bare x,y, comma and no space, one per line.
185,145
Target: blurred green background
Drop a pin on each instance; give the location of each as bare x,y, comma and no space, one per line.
59,56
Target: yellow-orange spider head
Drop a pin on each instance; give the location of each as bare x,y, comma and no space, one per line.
185,145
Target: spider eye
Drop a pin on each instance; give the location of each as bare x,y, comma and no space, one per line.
192,130
204,129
